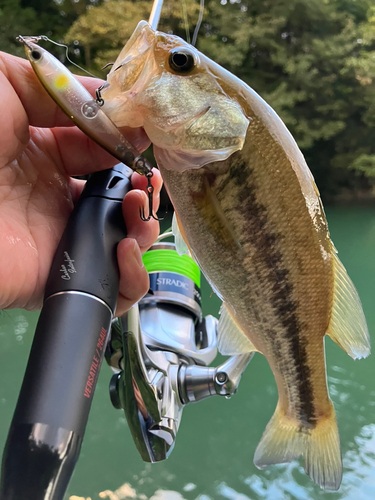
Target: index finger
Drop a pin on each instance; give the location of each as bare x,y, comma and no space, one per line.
41,109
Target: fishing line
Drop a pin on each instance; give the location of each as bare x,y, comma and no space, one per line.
66,47
200,18
186,22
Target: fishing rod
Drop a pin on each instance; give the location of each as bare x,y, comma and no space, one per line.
155,14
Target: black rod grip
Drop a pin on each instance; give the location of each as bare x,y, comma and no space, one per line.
86,258
49,422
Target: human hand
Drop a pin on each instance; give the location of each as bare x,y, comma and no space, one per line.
40,150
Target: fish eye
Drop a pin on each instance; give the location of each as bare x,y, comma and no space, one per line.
181,60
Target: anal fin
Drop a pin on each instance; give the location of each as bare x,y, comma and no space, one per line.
348,326
231,339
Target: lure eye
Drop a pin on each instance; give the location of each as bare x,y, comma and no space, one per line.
181,60
36,55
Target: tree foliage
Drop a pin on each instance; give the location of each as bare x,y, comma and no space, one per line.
312,60
15,20
38,17
105,29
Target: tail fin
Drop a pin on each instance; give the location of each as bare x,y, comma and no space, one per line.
287,439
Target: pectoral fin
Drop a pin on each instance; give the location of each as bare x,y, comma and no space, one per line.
231,339
348,326
179,236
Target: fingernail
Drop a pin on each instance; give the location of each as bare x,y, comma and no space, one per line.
156,202
137,255
142,196
139,192
141,200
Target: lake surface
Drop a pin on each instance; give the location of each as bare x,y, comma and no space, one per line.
213,456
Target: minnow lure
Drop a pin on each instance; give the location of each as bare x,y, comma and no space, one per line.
79,105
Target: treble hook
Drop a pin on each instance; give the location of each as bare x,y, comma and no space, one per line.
150,194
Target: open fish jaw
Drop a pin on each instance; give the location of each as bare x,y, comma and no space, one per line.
191,117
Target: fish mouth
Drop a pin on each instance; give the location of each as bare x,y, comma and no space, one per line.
131,61
140,42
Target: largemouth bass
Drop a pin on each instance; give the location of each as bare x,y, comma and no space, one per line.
250,213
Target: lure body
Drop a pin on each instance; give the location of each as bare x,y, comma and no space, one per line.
78,104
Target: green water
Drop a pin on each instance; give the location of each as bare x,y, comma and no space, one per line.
213,455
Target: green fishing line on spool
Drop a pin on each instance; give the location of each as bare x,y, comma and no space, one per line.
169,261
